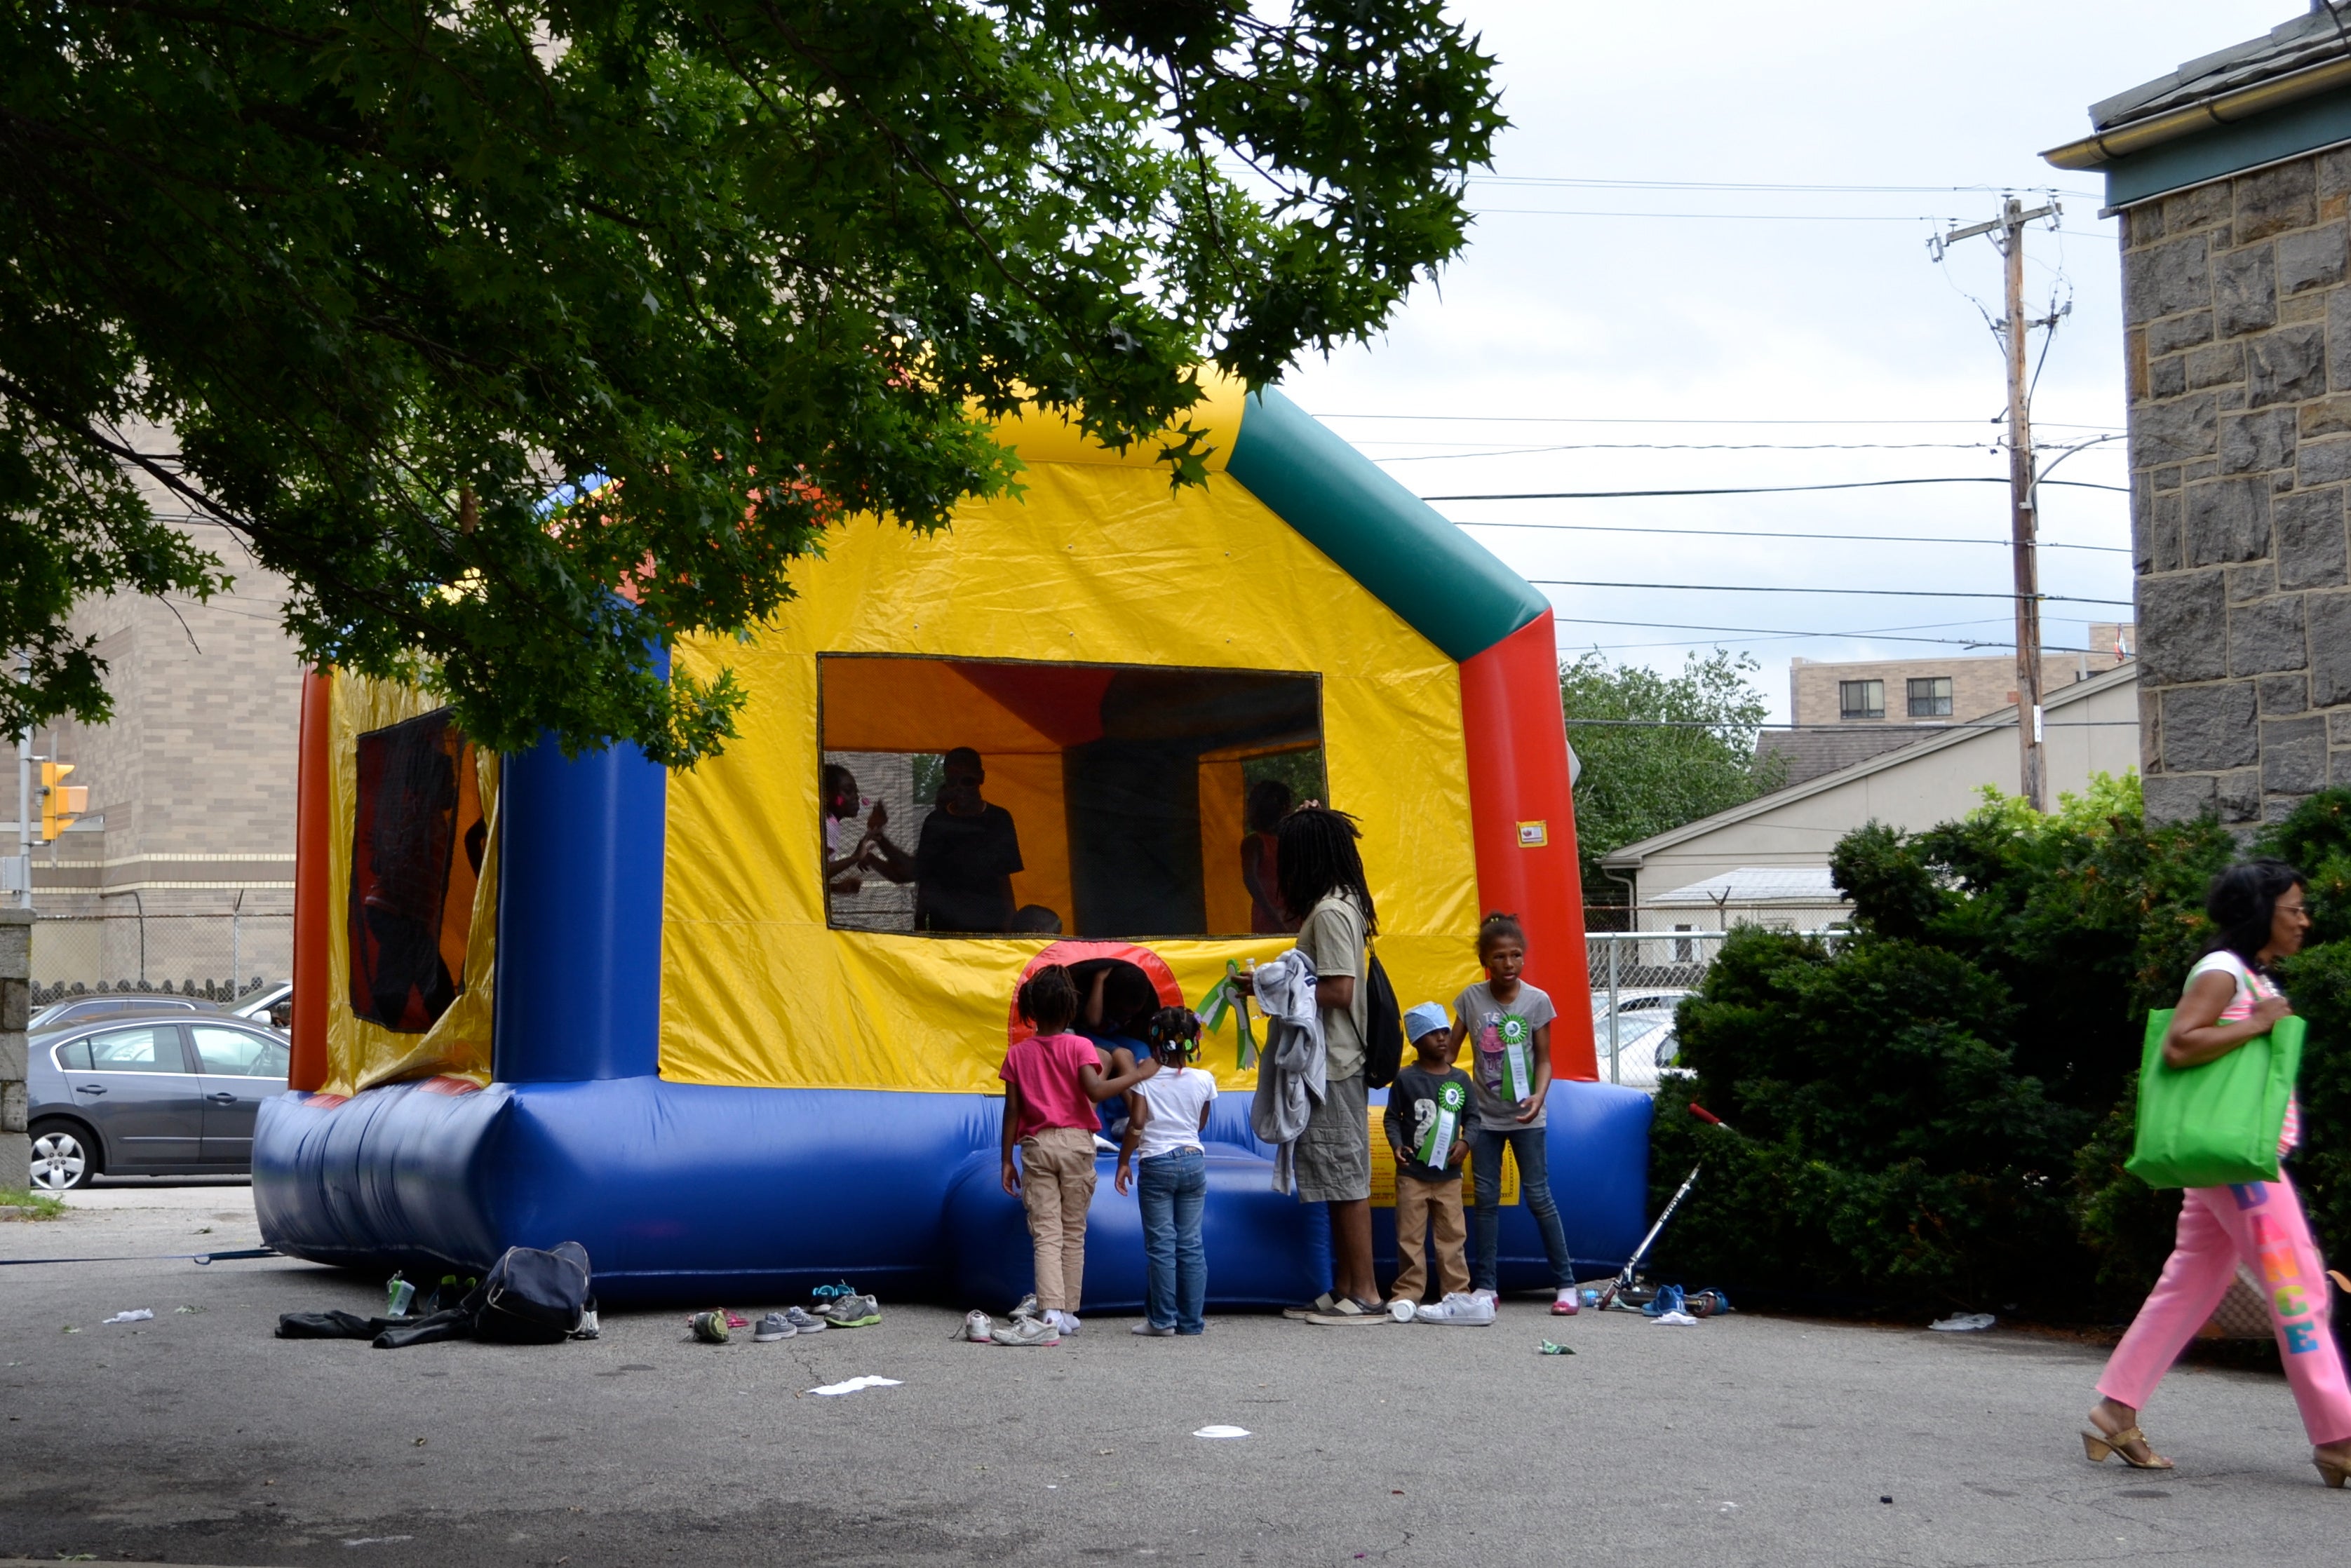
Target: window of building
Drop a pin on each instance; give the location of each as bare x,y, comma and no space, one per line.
1932,697
1099,801
1861,699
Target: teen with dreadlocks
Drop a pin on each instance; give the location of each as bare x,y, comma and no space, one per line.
1319,877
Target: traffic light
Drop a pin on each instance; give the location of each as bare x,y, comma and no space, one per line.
61,802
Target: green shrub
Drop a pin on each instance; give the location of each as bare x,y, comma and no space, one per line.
1935,1114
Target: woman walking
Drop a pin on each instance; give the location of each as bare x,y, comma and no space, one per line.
2230,999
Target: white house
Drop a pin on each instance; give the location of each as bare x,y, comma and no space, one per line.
1767,861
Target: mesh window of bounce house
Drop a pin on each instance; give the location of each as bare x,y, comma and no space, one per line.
674,1034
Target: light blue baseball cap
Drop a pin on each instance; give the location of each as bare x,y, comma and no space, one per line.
1421,1019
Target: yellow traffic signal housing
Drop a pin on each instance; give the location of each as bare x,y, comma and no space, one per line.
61,803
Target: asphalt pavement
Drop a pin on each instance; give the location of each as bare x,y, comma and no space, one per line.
196,1438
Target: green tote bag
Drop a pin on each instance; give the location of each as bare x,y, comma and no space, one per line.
2217,1125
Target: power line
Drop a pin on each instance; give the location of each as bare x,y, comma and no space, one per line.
1628,419
1860,593
1482,211
1781,534
1767,489
1577,182
1516,449
1782,632
1872,728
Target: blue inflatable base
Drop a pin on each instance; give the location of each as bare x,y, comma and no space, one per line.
690,1192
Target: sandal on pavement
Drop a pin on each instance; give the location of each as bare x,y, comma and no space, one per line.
2333,1472
1325,1303
1349,1311
2098,1446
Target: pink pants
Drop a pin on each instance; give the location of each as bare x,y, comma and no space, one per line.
2261,1224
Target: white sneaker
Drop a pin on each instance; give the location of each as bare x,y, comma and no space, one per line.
1470,1311
1402,1310
977,1327
1028,1307
1027,1330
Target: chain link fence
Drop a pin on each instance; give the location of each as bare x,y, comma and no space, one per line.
1638,977
219,957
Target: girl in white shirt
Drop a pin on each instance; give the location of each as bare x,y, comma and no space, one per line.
1166,1113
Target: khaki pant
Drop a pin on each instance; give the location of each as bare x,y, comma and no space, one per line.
1418,1203
1057,1183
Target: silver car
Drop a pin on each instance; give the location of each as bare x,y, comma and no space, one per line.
148,1094
86,1009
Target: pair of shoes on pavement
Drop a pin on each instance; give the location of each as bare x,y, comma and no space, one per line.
1461,1309
1067,1323
786,1324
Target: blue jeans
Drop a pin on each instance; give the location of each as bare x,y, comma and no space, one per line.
1173,1189
1528,1144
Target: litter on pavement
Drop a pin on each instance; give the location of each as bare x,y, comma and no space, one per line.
1964,1322
833,1389
1677,1320
135,1315
1222,1432
1550,1349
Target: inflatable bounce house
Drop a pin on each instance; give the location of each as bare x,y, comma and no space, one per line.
737,1030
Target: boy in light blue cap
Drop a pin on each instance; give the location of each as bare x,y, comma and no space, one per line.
1426,1121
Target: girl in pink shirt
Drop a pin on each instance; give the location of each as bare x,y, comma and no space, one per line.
1052,1081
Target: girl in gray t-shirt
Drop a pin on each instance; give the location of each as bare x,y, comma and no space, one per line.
1506,1023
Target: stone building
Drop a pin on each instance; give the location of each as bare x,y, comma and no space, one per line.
2233,178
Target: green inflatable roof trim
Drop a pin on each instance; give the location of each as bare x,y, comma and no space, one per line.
1445,586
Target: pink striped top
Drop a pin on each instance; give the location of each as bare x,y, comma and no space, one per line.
2251,988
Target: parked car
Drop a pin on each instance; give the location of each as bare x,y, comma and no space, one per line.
1647,1046
264,1004
82,1009
154,1093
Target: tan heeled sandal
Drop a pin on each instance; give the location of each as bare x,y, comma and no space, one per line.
2102,1446
2333,1472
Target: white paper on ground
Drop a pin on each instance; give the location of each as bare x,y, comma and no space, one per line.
1677,1319
135,1315
854,1384
1222,1432
1964,1322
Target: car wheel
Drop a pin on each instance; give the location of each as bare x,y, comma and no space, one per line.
65,1156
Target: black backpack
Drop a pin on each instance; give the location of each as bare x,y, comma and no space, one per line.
1384,1020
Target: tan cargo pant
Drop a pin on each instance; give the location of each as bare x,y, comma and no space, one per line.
1057,1185
1418,1203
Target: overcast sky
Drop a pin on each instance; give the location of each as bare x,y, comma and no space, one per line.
1613,345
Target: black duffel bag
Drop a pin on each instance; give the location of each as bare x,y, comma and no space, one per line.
530,1297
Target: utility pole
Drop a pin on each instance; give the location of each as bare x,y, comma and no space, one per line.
2008,232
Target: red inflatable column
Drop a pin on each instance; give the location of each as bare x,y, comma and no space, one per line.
314,840
1522,817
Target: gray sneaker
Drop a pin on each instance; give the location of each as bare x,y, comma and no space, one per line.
1027,1330
1028,1307
804,1321
851,1312
771,1328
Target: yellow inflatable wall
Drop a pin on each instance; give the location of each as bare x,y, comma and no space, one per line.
1099,561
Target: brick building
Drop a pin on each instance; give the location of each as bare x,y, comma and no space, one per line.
2233,178
183,871
1847,711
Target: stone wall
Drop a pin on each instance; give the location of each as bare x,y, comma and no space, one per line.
15,963
2239,343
